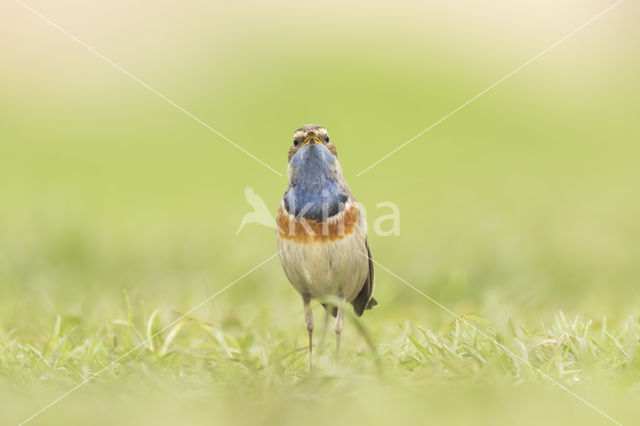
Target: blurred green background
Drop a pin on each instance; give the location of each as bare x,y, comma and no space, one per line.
523,204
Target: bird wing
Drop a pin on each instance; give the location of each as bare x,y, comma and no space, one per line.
364,299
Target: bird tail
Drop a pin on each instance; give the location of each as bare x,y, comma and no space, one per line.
334,310
331,309
372,302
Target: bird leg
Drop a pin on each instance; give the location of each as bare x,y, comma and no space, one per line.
308,317
339,320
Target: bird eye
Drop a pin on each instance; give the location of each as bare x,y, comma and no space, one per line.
326,138
296,142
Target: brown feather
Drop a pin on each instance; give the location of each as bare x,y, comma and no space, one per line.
337,228
332,148
292,151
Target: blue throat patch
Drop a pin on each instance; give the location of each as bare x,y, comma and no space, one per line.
313,192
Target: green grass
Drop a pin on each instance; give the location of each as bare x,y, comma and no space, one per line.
254,361
519,213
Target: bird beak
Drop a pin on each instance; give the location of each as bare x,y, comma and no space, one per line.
311,139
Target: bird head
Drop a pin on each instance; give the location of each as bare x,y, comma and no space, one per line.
315,175
311,134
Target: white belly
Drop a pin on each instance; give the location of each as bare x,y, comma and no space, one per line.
326,268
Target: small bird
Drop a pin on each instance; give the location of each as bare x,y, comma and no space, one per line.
322,232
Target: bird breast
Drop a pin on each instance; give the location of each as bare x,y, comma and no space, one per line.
321,265
310,231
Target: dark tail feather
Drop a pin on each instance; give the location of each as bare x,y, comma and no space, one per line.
333,310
